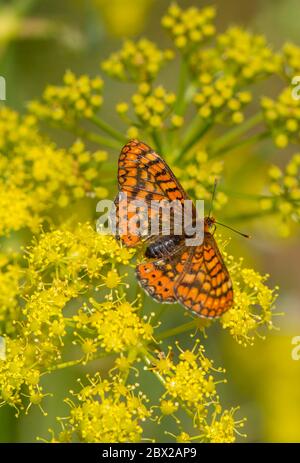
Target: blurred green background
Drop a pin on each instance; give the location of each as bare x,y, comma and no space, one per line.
39,40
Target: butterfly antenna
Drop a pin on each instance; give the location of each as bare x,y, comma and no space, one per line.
213,197
233,229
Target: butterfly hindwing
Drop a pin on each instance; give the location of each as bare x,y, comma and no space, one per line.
205,287
158,276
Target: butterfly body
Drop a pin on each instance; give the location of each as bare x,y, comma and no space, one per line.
194,276
163,246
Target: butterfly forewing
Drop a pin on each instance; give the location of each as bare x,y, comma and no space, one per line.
144,176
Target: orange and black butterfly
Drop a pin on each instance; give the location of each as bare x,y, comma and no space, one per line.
194,276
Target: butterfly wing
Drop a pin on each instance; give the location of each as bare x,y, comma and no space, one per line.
194,276
205,287
143,176
158,277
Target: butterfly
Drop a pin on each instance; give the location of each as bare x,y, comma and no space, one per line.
194,276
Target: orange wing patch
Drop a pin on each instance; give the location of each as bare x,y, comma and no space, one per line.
205,286
158,277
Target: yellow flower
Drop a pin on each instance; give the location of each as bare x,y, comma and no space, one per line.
250,311
223,428
106,412
136,62
80,97
282,117
189,26
285,189
116,324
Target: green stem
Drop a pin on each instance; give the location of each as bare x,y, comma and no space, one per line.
241,195
149,361
73,363
248,141
197,130
180,101
235,132
157,140
95,138
181,329
115,134
63,365
249,216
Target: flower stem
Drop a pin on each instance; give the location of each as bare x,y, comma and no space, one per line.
157,140
98,139
241,195
249,216
247,141
63,365
149,360
181,93
234,133
197,130
108,129
197,323
72,363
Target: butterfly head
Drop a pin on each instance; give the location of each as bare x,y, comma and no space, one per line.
209,222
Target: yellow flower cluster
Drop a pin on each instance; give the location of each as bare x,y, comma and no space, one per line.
44,309
223,428
10,275
282,117
198,177
69,254
104,411
19,374
152,106
291,60
237,53
249,54
15,131
17,137
285,189
116,325
220,100
136,62
79,97
61,266
225,71
17,209
189,27
57,176
190,382
254,302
